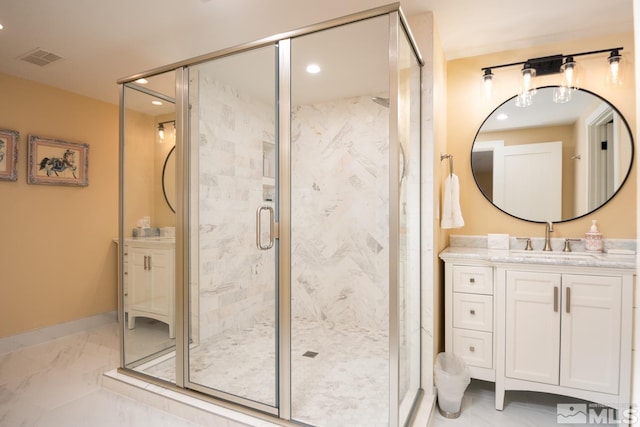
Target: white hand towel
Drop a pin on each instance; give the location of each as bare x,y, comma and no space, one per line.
451,213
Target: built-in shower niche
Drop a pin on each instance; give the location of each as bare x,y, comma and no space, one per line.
268,171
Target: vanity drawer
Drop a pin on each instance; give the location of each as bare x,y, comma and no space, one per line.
473,311
473,279
474,347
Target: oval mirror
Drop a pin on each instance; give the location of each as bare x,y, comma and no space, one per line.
169,179
552,161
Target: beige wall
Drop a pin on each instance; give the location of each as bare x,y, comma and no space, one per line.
58,260
467,110
144,160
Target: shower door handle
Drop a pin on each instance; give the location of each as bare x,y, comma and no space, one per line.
259,227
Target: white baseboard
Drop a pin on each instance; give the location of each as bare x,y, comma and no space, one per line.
38,336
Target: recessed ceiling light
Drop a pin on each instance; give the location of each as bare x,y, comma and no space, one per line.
502,116
313,68
156,102
142,81
1,27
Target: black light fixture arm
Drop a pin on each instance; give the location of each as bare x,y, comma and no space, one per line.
550,64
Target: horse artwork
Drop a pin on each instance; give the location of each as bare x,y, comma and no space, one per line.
57,165
57,162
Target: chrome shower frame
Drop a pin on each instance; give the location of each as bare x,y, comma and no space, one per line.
397,25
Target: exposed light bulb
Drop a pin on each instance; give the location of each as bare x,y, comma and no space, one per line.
613,78
570,73
528,74
487,78
528,88
161,132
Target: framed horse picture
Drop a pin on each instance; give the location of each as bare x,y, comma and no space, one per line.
8,154
57,162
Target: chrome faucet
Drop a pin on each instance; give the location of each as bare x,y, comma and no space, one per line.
548,229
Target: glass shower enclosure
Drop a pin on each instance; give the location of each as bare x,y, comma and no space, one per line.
288,278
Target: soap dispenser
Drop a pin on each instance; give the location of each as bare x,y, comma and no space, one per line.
593,238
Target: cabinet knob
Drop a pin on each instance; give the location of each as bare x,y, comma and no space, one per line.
472,349
472,312
472,280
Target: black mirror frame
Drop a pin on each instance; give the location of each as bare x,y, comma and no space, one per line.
624,181
164,190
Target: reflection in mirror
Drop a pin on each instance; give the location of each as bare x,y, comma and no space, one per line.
148,257
550,161
169,179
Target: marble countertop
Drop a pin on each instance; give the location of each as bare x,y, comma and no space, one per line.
519,256
151,240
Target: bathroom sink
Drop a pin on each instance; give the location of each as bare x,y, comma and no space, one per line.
554,255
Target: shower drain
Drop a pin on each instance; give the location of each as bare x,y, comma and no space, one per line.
310,354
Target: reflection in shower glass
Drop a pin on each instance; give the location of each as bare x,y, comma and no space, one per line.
232,294
340,227
409,214
148,257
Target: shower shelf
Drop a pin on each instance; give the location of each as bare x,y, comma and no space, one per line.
268,171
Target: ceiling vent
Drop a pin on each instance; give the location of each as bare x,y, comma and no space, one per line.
40,57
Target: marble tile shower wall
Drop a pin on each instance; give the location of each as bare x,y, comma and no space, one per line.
236,280
340,197
339,206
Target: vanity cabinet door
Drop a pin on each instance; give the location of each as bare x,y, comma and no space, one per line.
591,328
151,285
139,284
533,326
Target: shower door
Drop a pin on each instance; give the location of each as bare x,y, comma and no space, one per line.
340,233
233,213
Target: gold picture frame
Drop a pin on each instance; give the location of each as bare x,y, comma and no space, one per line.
8,154
57,162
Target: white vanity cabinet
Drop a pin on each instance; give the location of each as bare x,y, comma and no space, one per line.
557,325
469,319
563,329
149,281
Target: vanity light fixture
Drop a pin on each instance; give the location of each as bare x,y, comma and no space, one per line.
161,129
569,83
528,86
142,81
487,77
614,68
554,64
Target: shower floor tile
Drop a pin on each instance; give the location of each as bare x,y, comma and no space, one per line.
346,383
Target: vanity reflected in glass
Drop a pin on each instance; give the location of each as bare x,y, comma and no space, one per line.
552,161
148,259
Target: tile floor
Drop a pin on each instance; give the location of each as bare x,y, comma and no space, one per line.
55,381
345,383
521,409
52,378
